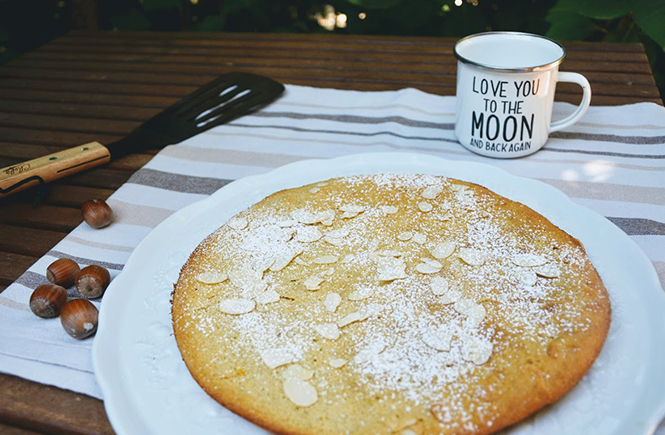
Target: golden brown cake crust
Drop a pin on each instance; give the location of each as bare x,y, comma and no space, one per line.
452,309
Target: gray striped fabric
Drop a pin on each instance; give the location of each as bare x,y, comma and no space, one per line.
612,162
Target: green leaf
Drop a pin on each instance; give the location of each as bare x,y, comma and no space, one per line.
650,16
133,20
604,9
375,4
211,23
569,26
160,5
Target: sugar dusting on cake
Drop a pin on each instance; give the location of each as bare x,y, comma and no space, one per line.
404,336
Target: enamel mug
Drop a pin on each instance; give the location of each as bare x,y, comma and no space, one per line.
505,91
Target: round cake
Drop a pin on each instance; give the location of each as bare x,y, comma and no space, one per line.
388,304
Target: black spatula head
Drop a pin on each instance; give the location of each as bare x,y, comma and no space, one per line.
224,99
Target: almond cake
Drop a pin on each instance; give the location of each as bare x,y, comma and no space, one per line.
388,304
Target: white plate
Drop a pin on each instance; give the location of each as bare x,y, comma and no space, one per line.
148,390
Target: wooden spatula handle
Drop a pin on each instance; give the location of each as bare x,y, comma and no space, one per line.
51,167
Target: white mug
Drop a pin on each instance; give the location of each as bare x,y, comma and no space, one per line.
505,91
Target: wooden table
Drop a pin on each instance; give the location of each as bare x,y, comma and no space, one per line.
98,86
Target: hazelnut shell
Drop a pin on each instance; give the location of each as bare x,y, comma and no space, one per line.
97,213
47,300
79,318
62,272
92,281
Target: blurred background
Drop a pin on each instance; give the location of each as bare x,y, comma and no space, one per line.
27,24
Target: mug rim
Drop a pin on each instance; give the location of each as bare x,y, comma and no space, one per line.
545,66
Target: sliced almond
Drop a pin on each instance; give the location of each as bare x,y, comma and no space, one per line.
274,358
332,301
347,258
527,277
313,282
458,187
439,285
325,216
300,392
425,206
389,209
428,266
352,208
328,330
438,338
308,234
431,192
284,260
361,293
287,223
304,217
369,352
390,269
419,238
297,371
249,280
326,259
314,190
236,306
405,236
472,257
337,362
211,277
267,297
238,223
327,222
351,211
548,271
262,264
389,253
357,316
451,296
329,272
443,250
528,260
300,261
335,241
476,315
321,184
464,305
476,350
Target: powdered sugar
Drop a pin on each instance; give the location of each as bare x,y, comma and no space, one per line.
383,321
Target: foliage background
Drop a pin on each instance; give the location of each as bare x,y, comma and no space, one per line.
26,24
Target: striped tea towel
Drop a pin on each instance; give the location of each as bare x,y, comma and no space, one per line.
612,162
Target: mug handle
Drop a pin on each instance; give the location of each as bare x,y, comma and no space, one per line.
586,100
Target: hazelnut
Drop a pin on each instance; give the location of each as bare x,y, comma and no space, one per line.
62,272
47,300
97,213
92,281
79,318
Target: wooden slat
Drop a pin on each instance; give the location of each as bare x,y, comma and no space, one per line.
137,101
50,410
123,113
56,218
12,266
74,196
54,137
12,430
28,241
212,67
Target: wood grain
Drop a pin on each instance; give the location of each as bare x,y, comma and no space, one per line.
97,86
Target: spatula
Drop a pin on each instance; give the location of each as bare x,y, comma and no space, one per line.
224,99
